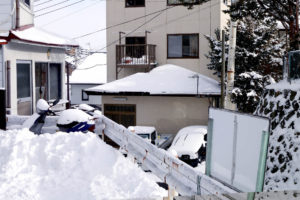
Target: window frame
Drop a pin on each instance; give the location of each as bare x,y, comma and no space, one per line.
197,2
27,4
49,78
82,96
135,6
183,57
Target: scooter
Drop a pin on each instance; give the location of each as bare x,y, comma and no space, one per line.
71,120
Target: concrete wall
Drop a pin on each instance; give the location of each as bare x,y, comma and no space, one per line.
202,19
167,114
18,51
76,95
6,16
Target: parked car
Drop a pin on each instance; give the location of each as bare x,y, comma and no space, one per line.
189,145
147,132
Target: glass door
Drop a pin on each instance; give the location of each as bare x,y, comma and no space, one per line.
24,92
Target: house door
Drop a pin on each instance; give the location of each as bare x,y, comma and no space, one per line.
24,92
124,114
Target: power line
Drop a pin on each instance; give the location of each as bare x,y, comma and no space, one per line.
43,3
103,29
63,17
51,6
59,8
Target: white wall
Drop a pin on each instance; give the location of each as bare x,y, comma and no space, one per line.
202,19
6,15
167,114
17,51
76,95
26,13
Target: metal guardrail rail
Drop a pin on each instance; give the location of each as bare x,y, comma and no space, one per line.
177,174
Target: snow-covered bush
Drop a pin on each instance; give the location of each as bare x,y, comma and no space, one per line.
249,87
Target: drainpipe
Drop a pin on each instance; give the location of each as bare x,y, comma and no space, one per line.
17,14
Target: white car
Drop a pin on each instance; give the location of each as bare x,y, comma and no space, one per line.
189,145
149,133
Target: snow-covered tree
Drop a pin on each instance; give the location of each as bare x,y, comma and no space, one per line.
249,87
282,11
258,49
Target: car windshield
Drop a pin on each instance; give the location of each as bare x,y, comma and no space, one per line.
146,136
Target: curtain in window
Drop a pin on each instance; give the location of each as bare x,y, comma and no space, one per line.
41,81
174,46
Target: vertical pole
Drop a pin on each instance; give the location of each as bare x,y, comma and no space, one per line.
231,66
297,24
234,150
223,70
8,99
2,109
209,147
68,86
262,162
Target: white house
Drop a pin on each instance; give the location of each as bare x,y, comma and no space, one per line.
168,97
90,73
32,61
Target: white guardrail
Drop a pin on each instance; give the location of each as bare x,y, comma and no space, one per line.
177,174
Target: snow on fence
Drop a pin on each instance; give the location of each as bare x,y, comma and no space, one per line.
173,171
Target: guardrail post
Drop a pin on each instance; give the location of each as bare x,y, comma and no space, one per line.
209,146
198,185
171,192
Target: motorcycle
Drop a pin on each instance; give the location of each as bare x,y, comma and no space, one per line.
71,120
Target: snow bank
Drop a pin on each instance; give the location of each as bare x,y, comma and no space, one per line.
68,166
165,79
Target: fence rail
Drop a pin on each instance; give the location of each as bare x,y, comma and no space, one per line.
177,174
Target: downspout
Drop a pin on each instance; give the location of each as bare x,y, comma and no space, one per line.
17,14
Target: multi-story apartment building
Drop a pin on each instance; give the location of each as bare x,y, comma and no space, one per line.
168,38
167,34
32,61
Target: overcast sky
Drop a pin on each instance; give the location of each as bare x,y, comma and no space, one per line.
76,20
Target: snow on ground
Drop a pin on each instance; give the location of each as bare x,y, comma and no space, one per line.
68,166
165,79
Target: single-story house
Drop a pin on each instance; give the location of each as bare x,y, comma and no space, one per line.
32,67
168,97
89,73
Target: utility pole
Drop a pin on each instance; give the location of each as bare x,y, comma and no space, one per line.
231,63
223,71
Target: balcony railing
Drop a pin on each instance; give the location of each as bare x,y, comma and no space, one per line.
136,55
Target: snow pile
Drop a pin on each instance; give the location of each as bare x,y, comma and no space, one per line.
283,161
73,115
92,70
165,79
68,166
38,35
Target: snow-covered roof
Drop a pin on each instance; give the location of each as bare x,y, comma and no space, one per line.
2,41
39,36
164,80
285,85
4,34
92,70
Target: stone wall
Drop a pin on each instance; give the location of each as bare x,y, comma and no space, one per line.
283,161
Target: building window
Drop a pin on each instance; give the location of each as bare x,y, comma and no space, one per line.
183,45
84,96
124,114
48,83
135,47
183,2
134,3
27,2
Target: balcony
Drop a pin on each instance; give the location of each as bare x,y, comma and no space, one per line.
136,56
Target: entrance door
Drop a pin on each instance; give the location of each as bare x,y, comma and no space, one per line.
24,92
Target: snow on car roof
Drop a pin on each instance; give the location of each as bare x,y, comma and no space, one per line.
163,80
188,140
37,35
92,70
141,129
